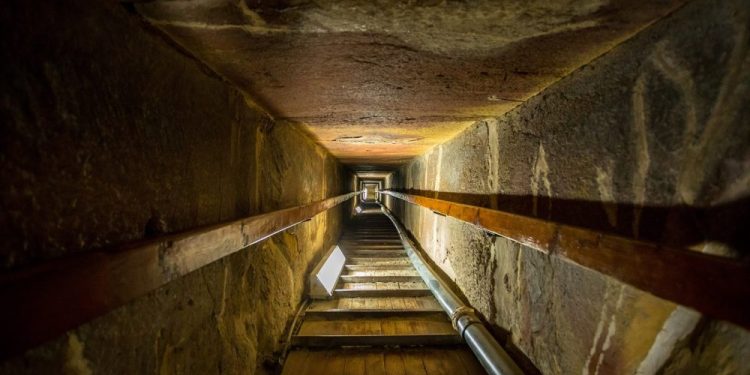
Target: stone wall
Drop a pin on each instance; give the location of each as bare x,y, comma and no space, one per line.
649,141
107,126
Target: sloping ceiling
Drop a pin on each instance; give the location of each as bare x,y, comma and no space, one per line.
379,82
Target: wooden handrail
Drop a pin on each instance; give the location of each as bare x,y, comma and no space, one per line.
717,286
46,300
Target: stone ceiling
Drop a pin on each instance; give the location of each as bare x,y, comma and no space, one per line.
380,82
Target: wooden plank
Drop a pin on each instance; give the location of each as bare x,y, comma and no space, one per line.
316,362
359,303
375,340
388,229
427,303
371,242
409,272
335,363
449,361
385,303
364,240
351,247
389,327
405,266
397,252
379,278
394,363
324,305
371,313
45,301
385,285
382,292
375,363
375,253
413,363
355,364
433,363
417,284
717,286
345,285
418,361
401,305
369,246
295,363
470,361
371,303
429,324
388,236
400,261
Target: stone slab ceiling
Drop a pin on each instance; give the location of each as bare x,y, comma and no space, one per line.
379,82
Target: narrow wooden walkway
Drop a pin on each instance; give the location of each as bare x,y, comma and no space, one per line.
382,320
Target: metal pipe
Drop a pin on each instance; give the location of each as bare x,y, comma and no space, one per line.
488,351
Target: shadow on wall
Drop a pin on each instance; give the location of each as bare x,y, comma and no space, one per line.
677,226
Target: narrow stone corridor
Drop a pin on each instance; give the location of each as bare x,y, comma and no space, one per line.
271,187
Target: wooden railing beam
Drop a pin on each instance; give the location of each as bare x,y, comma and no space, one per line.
717,286
46,300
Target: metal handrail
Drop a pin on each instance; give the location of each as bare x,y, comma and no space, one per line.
487,350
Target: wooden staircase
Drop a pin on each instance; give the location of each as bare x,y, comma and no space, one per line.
382,319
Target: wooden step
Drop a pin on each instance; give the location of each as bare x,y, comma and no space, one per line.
361,233
381,272
369,328
385,303
371,241
379,278
418,284
378,261
384,267
371,235
371,248
348,361
375,253
371,313
353,245
365,246
324,341
365,228
344,292
374,238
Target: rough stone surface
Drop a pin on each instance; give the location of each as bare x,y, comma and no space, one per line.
108,130
649,141
379,82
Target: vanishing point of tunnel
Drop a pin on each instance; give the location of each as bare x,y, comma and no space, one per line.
295,187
